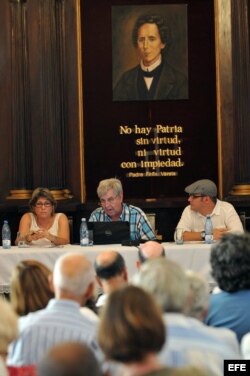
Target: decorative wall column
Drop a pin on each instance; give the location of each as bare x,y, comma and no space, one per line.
241,95
39,106
22,165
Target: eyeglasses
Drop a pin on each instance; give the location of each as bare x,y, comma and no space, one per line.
41,204
109,200
193,196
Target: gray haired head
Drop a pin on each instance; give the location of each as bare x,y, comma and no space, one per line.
166,281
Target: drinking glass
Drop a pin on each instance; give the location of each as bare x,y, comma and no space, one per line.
178,236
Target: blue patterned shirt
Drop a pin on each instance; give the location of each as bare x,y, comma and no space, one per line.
140,227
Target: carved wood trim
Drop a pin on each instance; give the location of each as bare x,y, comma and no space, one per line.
233,91
47,122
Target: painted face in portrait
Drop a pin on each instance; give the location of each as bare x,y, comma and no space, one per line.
112,204
149,43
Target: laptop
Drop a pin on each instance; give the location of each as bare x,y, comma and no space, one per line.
110,232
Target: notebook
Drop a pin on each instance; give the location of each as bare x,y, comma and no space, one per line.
109,232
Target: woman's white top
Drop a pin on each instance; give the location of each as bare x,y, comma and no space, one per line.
53,230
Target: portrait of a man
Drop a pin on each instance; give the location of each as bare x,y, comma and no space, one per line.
153,76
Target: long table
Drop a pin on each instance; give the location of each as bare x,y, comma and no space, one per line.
192,255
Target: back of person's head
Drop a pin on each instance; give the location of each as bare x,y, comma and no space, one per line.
166,281
109,264
230,262
107,184
30,289
69,359
199,301
150,249
8,326
131,325
73,273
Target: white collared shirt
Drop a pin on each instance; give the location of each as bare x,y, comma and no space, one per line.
223,216
150,68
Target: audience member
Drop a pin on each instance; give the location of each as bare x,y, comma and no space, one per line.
42,226
69,359
230,304
8,332
113,208
73,283
150,249
245,346
203,201
190,342
199,300
111,273
198,308
29,285
132,332
89,309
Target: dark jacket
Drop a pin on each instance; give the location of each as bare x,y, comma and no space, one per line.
172,84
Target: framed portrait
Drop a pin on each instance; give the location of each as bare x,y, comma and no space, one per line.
150,52
154,145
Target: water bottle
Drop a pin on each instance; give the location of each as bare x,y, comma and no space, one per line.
208,230
84,233
6,235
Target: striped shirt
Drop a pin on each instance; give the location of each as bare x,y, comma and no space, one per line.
140,227
39,331
190,342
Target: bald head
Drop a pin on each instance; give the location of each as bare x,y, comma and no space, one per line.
109,264
73,273
67,359
149,250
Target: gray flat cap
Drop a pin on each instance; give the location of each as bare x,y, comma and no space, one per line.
204,187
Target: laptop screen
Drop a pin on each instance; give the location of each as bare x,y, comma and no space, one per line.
109,232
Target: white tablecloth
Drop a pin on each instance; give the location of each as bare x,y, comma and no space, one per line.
193,256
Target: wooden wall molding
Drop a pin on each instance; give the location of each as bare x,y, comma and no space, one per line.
241,95
41,119
233,88
44,128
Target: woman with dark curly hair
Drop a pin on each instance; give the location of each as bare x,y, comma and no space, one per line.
230,304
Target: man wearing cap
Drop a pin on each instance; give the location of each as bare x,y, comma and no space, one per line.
203,201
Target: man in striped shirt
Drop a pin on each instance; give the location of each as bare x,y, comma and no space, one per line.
61,321
113,208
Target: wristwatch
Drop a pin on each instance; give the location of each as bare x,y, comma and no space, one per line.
202,235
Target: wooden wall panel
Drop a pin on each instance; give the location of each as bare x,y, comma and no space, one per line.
233,94
41,66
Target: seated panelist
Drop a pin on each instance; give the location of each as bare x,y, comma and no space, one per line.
42,226
113,208
203,201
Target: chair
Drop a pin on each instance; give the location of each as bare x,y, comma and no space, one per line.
70,219
22,370
244,218
151,218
